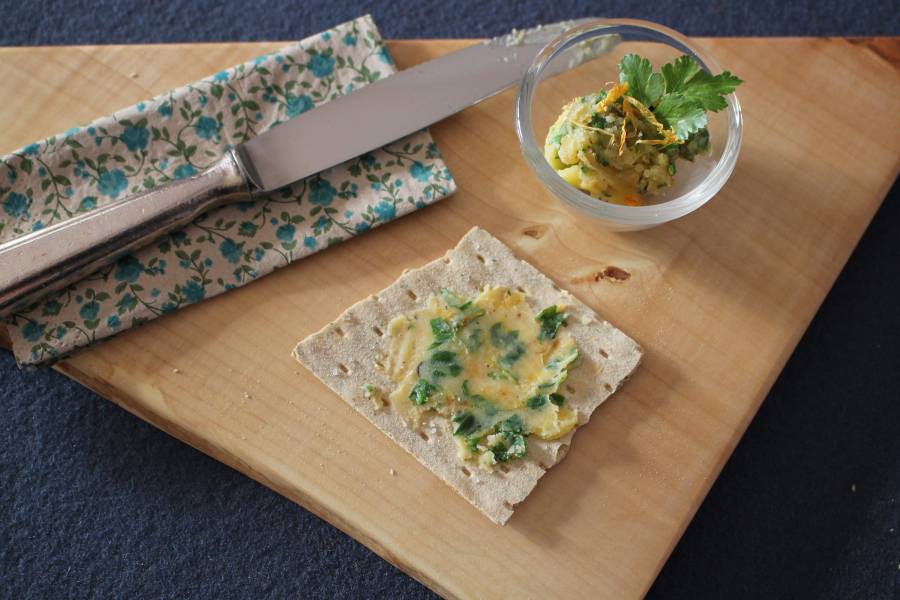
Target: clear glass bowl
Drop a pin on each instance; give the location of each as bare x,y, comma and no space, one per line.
582,60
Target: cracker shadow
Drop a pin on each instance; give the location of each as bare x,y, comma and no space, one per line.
578,483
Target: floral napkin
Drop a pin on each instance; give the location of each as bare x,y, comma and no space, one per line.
176,135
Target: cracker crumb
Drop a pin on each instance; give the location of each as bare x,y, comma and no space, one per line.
392,472
134,75
176,371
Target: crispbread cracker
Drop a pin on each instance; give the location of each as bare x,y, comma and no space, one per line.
343,356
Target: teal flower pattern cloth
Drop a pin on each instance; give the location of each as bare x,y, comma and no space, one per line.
176,135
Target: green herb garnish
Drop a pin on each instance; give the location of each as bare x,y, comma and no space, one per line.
536,402
512,443
473,341
478,400
597,121
422,392
637,128
643,83
512,424
503,375
512,446
508,340
465,424
442,363
502,338
442,331
561,364
685,77
680,95
551,320
696,144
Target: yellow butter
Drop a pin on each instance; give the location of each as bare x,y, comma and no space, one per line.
486,364
587,147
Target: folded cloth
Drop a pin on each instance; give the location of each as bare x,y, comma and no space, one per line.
177,134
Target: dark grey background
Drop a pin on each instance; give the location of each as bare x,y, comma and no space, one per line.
93,502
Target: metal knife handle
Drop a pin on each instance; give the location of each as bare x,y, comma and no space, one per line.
49,259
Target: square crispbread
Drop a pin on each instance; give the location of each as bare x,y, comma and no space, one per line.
343,356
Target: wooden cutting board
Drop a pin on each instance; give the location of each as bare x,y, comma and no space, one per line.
718,300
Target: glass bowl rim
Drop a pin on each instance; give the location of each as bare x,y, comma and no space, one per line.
639,216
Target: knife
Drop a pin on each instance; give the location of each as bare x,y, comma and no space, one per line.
49,259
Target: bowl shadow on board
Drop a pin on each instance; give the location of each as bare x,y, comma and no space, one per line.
715,229
541,515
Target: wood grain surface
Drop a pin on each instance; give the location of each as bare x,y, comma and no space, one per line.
718,300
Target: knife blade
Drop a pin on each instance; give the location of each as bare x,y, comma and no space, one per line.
391,108
49,259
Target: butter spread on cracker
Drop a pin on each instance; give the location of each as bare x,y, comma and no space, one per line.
490,365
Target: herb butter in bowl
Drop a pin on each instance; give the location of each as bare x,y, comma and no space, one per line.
639,133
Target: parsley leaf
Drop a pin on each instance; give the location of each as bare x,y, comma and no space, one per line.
681,114
421,392
443,362
643,84
709,90
680,95
473,341
512,424
466,423
510,447
478,400
697,143
685,77
551,320
536,402
512,443
509,340
597,121
442,331
678,73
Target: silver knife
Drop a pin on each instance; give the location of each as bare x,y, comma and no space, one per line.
50,259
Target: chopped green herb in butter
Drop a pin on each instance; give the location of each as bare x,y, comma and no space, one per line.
489,365
622,142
